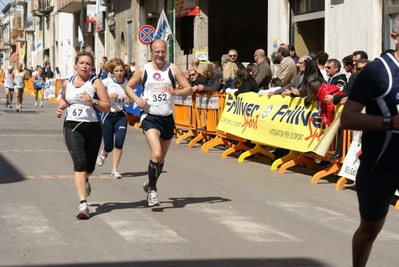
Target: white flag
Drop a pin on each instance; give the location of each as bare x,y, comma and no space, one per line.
80,37
163,29
39,47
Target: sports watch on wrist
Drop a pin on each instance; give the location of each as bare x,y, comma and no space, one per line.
387,123
95,102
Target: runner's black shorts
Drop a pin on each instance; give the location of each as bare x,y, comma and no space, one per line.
164,124
375,192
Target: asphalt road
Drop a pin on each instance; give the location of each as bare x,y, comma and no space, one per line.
214,212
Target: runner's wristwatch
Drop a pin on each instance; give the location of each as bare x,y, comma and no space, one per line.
387,123
95,103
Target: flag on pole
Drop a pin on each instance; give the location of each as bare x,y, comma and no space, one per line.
80,37
22,56
39,47
163,29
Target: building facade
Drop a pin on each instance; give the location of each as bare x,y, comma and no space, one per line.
56,30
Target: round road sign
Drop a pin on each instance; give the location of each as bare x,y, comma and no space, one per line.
146,34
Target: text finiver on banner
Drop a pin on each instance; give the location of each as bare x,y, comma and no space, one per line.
278,121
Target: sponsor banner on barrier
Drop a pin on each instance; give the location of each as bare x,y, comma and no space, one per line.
278,121
207,102
184,100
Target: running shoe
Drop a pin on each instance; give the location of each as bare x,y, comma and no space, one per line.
17,108
41,104
152,195
100,160
7,103
83,211
116,175
10,106
88,188
36,104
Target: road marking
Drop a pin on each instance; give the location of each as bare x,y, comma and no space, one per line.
136,226
49,176
329,218
243,225
34,151
32,135
24,224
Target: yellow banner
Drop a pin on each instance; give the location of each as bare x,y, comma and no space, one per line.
22,55
277,121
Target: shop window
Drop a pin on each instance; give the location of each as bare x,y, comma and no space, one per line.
307,6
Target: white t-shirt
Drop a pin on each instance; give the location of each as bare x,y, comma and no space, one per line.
118,88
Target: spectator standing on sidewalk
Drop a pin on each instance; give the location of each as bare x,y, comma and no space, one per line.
159,79
81,95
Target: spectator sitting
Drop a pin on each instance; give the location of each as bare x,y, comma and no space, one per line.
311,82
262,73
333,68
229,75
321,59
194,78
214,82
251,68
275,64
287,70
275,82
233,57
245,82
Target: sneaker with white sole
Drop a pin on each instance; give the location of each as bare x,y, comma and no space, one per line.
88,188
83,212
41,104
100,160
152,195
36,104
116,175
10,106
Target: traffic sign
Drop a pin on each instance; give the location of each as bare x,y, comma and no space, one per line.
146,34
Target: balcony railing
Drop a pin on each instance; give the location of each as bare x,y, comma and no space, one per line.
41,7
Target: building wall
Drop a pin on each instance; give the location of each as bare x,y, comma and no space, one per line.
278,26
353,25
349,26
66,51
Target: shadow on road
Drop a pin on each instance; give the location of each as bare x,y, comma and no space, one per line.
8,173
175,202
275,262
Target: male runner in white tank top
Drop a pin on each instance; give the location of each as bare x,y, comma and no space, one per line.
159,77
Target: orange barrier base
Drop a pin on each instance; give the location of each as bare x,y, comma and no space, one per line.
284,159
256,150
184,136
203,136
238,147
333,169
301,159
341,182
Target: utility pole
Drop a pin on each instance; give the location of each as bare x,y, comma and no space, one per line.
43,29
25,24
82,23
171,41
